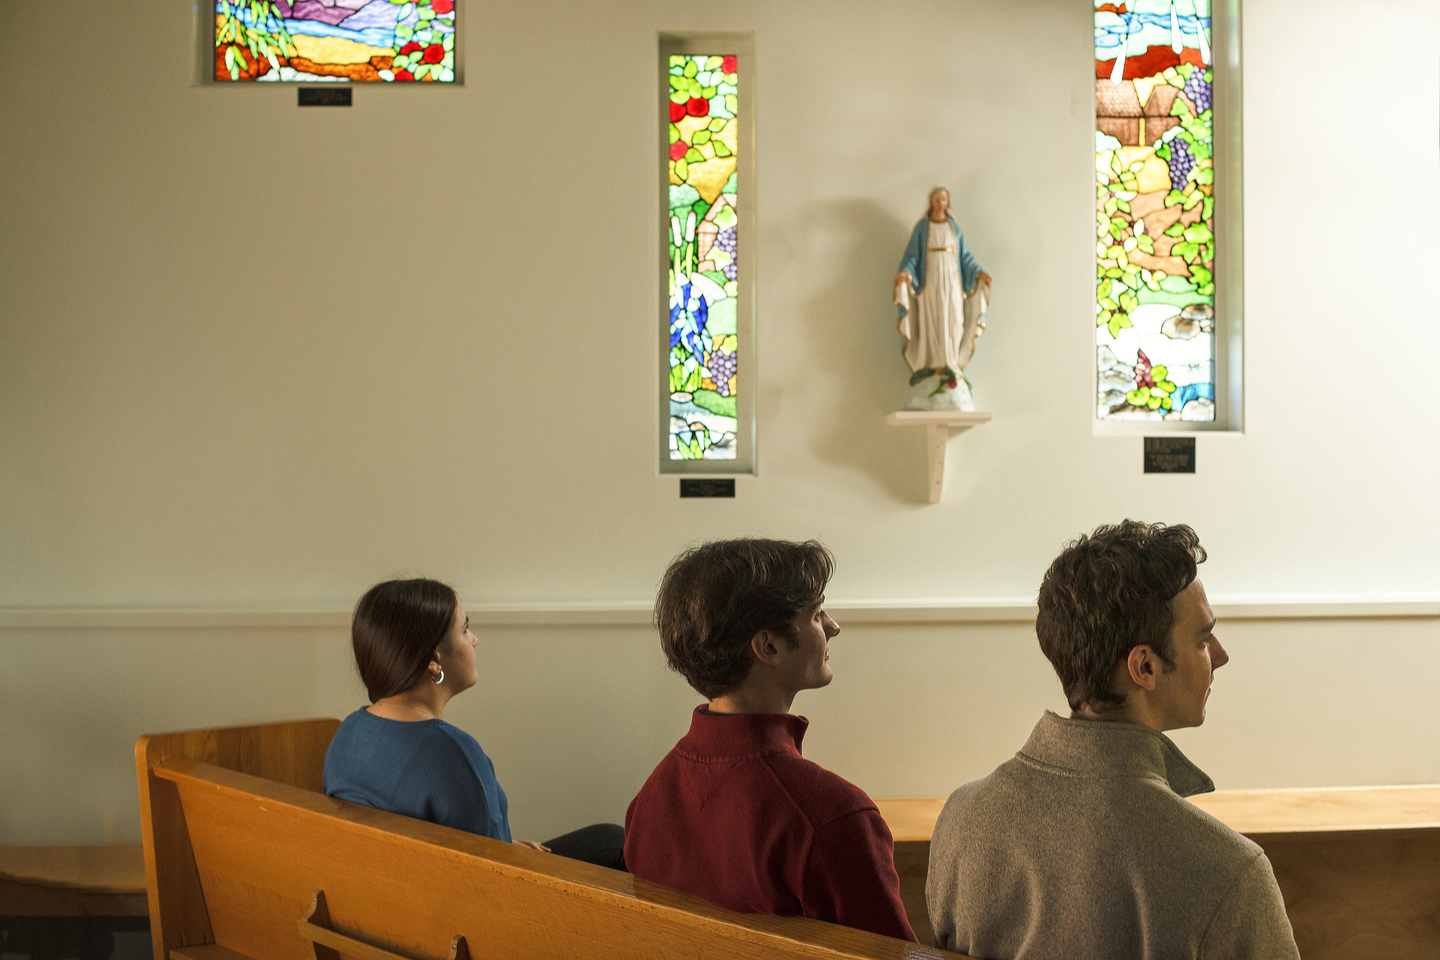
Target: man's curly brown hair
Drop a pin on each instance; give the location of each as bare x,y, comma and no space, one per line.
1108,593
716,596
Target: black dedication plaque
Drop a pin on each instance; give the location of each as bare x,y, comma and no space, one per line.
708,487
1169,454
324,96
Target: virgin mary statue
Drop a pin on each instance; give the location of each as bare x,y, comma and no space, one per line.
942,294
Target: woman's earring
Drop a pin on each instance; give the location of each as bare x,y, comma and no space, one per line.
440,679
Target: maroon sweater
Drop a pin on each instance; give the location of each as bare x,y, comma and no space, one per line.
735,815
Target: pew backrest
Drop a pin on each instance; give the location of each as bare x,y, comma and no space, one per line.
244,866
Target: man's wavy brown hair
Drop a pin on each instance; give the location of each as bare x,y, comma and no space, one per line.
716,596
1108,593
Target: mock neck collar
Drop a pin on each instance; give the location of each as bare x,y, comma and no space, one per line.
742,735
1104,749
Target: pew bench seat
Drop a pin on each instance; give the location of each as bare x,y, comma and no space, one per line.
1359,867
72,881
245,866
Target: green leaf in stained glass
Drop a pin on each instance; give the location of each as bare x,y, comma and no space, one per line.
1175,229
717,125
679,96
674,133
1205,177
721,150
693,88
716,404
713,63
730,184
1145,243
722,317
682,197
1185,251
699,137
691,68
707,92
678,83
682,168
1209,211
1198,233
731,104
694,156
1192,200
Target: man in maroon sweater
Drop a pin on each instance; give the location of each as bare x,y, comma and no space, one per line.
733,813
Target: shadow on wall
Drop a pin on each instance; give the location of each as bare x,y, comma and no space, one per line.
855,338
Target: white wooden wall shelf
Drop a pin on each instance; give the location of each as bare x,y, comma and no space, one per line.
937,424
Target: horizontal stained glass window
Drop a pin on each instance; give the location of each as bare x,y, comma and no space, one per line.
702,244
1154,211
344,40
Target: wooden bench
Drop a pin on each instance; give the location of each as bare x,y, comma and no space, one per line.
98,881
245,858
1359,867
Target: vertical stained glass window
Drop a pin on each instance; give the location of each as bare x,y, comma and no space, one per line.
702,240
1155,211
335,40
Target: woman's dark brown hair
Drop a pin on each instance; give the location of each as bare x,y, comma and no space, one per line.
1108,593
398,626
716,596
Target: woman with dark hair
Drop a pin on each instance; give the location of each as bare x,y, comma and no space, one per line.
414,650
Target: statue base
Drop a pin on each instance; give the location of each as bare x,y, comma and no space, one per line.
934,394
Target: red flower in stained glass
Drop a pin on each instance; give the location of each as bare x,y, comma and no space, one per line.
442,6
677,110
678,149
434,53
697,107
404,75
410,47
728,65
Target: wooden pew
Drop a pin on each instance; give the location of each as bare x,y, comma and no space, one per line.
96,881
245,858
1359,867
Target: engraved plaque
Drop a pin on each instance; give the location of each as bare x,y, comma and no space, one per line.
702,487
1169,454
324,96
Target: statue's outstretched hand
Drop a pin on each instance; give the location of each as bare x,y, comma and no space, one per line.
902,277
984,279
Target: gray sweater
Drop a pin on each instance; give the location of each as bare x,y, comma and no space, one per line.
1083,847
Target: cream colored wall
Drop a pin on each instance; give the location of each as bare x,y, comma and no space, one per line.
253,356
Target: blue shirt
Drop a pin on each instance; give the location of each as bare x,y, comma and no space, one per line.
425,769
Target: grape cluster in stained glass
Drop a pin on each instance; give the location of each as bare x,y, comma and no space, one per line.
1154,211
701,241
344,40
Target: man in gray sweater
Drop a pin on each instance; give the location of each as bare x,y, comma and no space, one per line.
1083,845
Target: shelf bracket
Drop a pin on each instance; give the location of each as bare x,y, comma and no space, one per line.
937,424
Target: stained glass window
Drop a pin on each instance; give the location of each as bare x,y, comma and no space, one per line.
344,40
703,240
1155,193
